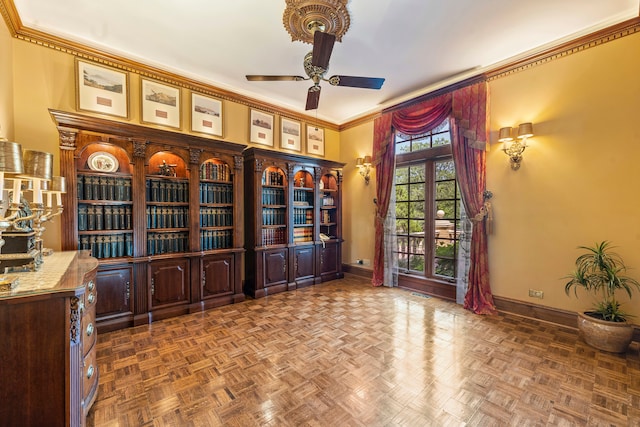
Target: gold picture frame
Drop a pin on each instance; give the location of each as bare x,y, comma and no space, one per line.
315,140
261,127
290,134
206,114
101,90
159,103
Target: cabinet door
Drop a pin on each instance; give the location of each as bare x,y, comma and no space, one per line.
114,289
304,262
329,259
275,267
217,275
168,282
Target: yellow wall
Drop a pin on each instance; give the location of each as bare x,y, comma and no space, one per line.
576,184
359,212
6,84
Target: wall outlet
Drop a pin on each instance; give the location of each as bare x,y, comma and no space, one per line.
359,261
535,294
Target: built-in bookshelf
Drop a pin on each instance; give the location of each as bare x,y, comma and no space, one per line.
284,205
216,205
162,212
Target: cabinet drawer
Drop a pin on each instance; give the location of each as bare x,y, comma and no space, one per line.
89,330
91,293
89,376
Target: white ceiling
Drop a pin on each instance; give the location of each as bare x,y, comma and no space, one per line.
417,45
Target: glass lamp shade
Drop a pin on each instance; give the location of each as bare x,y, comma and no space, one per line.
367,161
10,157
359,161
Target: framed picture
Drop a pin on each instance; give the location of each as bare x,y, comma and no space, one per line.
102,90
160,103
261,128
206,114
315,140
290,134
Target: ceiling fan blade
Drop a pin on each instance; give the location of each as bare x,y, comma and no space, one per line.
258,78
322,48
313,98
351,81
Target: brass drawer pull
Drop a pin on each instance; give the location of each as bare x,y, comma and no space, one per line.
91,285
91,298
90,372
90,329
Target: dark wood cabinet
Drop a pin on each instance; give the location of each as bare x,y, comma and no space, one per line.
168,283
115,290
48,352
292,211
156,208
217,275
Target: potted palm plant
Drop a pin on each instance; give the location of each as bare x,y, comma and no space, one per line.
601,272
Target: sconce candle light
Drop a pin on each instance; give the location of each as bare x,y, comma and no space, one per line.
515,147
364,166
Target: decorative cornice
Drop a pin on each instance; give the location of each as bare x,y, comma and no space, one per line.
597,38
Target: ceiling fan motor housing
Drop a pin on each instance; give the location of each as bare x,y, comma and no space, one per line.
301,18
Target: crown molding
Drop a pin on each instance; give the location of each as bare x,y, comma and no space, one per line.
597,38
19,31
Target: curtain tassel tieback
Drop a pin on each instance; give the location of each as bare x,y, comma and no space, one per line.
485,212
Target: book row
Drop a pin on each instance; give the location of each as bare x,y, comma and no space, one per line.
167,217
107,246
216,217
167,191
303,235
104,217
215,171
273,196
216,239
104,188
162,243
302,216
272,178
303,196
273,236
216,193
272,216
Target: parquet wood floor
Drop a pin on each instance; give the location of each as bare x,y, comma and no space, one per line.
346,354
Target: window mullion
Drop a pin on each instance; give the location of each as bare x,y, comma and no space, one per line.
429,217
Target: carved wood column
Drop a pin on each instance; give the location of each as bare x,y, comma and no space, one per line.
69,227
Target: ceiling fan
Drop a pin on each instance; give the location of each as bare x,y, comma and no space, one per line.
316,64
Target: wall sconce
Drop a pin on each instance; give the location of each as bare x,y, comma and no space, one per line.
364,166
515,148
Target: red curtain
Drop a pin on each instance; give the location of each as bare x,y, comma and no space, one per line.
384,161
469,137
468,109
419,118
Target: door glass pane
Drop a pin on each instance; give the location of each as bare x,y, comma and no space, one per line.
402,175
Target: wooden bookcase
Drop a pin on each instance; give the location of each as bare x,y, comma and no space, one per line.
162,212
289,201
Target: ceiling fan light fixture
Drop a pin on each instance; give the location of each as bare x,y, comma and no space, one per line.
302,18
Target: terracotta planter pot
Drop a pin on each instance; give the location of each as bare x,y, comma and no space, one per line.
614,337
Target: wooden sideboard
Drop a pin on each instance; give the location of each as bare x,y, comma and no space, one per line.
48,371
